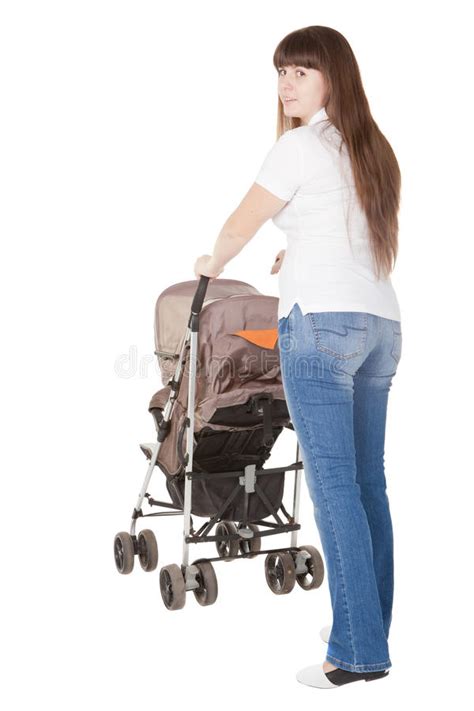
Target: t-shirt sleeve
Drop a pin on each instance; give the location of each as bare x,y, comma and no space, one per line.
282,170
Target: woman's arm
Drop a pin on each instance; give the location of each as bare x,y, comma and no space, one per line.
256,208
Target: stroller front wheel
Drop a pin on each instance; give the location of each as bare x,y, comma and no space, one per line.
280,572
124,552
227,549
314,576
206,593
147,550
172,586
250,546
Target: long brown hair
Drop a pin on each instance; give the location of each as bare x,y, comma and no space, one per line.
375,168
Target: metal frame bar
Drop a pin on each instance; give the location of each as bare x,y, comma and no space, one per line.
167,412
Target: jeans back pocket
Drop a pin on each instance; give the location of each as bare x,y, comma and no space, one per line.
396,351
342,334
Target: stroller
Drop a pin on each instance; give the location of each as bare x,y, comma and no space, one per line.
217,418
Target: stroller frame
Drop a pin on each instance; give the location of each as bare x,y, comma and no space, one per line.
248,478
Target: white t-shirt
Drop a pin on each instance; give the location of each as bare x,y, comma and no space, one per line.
328,265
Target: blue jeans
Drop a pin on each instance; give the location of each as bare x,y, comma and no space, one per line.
337,368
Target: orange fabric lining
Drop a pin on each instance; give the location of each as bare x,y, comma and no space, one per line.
266,338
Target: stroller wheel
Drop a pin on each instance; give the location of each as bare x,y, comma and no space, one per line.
228,548
124,552
206,593
314,576
147,550
250,545
280,572
172,586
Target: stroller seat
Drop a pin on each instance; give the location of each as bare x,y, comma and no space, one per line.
240,406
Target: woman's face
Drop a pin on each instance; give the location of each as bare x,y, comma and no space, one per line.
306,88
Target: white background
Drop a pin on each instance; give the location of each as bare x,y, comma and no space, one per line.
129,132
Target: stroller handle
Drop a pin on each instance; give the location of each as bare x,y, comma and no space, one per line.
199,295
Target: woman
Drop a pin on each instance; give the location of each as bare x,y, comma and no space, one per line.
332,184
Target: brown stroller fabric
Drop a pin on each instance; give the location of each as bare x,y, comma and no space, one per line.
240,407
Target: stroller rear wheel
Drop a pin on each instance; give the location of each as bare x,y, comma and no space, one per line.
250,545
147,550
172,586
206,593
314,576
124,552
230,548
280,572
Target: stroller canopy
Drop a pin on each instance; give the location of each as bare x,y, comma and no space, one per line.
172,311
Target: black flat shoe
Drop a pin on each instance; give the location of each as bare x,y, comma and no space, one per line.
342,676
316,676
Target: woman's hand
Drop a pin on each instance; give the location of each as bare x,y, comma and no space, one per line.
204,266
278,261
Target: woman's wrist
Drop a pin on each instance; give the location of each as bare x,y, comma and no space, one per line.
214,265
